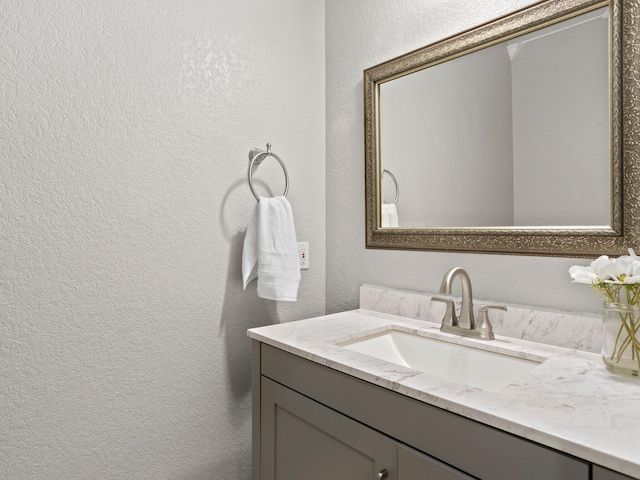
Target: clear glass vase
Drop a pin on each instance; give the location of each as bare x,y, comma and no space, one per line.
621,338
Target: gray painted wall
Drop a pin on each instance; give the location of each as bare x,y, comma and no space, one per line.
372,38
124,137
460,156
438,138
569,69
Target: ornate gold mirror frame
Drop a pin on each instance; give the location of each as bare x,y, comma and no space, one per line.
625,142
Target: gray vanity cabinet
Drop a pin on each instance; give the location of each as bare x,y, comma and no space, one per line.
600,473
302,439
414,465
311,422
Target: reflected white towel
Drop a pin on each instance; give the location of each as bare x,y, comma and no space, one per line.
270,250
389,215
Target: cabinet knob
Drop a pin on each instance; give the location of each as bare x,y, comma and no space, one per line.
382,474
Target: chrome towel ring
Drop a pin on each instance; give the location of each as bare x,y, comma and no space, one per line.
256,156
395,181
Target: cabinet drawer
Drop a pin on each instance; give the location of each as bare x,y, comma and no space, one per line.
479,450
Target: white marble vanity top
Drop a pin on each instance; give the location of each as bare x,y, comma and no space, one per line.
570,402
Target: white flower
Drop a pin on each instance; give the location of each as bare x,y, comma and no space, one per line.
621,270
632,256
634,276
617,280
583,274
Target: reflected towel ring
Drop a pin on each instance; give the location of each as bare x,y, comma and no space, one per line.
395,181
256,156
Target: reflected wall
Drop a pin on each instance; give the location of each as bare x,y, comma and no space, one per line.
516,134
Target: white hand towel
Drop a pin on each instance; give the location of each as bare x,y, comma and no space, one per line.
389,215
271,250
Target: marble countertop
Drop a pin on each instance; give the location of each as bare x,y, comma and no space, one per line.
570,402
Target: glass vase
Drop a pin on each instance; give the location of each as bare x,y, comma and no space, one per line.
621,339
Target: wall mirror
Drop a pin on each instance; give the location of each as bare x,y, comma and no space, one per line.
518,137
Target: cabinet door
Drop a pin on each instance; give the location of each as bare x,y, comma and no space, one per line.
413,465
304,440
601,473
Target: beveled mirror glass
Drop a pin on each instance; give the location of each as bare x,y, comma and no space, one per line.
514,137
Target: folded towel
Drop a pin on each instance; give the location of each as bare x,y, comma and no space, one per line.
271,250
389,215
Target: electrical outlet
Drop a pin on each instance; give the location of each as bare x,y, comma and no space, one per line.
303,254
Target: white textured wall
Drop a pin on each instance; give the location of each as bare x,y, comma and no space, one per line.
363,34
124,133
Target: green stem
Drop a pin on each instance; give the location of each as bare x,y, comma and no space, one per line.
626,299
629,325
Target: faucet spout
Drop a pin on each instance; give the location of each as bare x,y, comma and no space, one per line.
465,324
465,320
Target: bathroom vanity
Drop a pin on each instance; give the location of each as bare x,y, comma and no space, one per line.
321,410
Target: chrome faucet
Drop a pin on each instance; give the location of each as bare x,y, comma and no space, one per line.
465,325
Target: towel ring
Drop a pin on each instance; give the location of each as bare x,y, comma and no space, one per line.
395,181
256,156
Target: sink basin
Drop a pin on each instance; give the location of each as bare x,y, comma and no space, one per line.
487,370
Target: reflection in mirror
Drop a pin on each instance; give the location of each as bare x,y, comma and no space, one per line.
515,134
389,209
521,136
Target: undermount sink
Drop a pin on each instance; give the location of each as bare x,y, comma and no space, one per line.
487,370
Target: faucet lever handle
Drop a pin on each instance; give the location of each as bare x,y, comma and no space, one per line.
484,325
450,318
